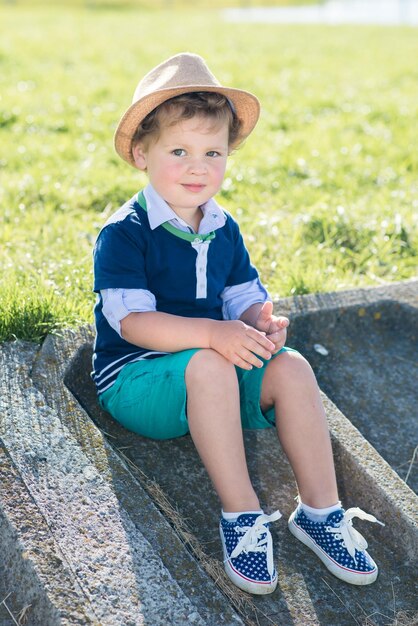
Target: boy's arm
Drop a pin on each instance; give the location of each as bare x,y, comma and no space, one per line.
235,340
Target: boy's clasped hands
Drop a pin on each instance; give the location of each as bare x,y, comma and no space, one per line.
241,343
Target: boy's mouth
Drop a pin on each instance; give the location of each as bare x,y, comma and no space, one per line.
194,188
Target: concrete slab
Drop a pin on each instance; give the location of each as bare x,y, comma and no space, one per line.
305,594
368,484
370,370
164,500
69,548
57,357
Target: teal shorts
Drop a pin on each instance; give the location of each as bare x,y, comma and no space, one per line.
149,397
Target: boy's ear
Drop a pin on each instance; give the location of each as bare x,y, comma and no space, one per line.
140,156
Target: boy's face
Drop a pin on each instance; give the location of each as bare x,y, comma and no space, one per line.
186,164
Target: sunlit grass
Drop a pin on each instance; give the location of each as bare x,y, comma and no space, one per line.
153,5
325,189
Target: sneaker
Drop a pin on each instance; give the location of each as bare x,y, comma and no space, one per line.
248,552
339,546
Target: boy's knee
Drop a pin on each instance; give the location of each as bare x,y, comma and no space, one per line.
289,367
289,370
209,366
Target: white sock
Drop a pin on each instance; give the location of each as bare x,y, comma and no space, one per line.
319,515
230,517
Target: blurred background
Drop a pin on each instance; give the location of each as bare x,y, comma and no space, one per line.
325,188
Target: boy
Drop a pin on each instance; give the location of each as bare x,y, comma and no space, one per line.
186,336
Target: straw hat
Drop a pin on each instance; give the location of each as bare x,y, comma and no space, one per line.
182,73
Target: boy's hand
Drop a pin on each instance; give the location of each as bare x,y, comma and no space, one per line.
240,343
274,327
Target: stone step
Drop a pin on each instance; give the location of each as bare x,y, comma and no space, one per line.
70,549
370,370
109,506
307,595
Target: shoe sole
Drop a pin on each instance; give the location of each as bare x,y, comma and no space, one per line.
348,576
259,589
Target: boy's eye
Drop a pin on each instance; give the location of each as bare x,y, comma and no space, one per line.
179,152
213,153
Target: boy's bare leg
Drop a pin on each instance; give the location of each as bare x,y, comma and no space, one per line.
215,426
290,386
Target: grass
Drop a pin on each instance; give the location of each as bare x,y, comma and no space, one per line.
153,5
325,188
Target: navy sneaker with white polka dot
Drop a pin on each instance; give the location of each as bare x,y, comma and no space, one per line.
340,547
248,552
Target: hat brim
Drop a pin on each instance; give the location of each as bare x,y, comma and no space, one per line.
246,105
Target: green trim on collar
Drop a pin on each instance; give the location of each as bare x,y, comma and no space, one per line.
192,237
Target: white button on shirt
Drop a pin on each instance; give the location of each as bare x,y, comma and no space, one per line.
118,303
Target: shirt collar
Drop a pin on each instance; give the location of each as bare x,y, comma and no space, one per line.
159,212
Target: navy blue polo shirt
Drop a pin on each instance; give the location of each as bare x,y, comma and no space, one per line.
129,254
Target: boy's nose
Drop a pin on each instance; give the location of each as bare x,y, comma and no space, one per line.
197,166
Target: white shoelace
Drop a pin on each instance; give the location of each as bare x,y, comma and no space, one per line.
351,538
252,542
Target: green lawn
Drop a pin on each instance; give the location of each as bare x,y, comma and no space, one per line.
325,189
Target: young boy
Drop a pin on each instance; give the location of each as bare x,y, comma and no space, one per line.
186,336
